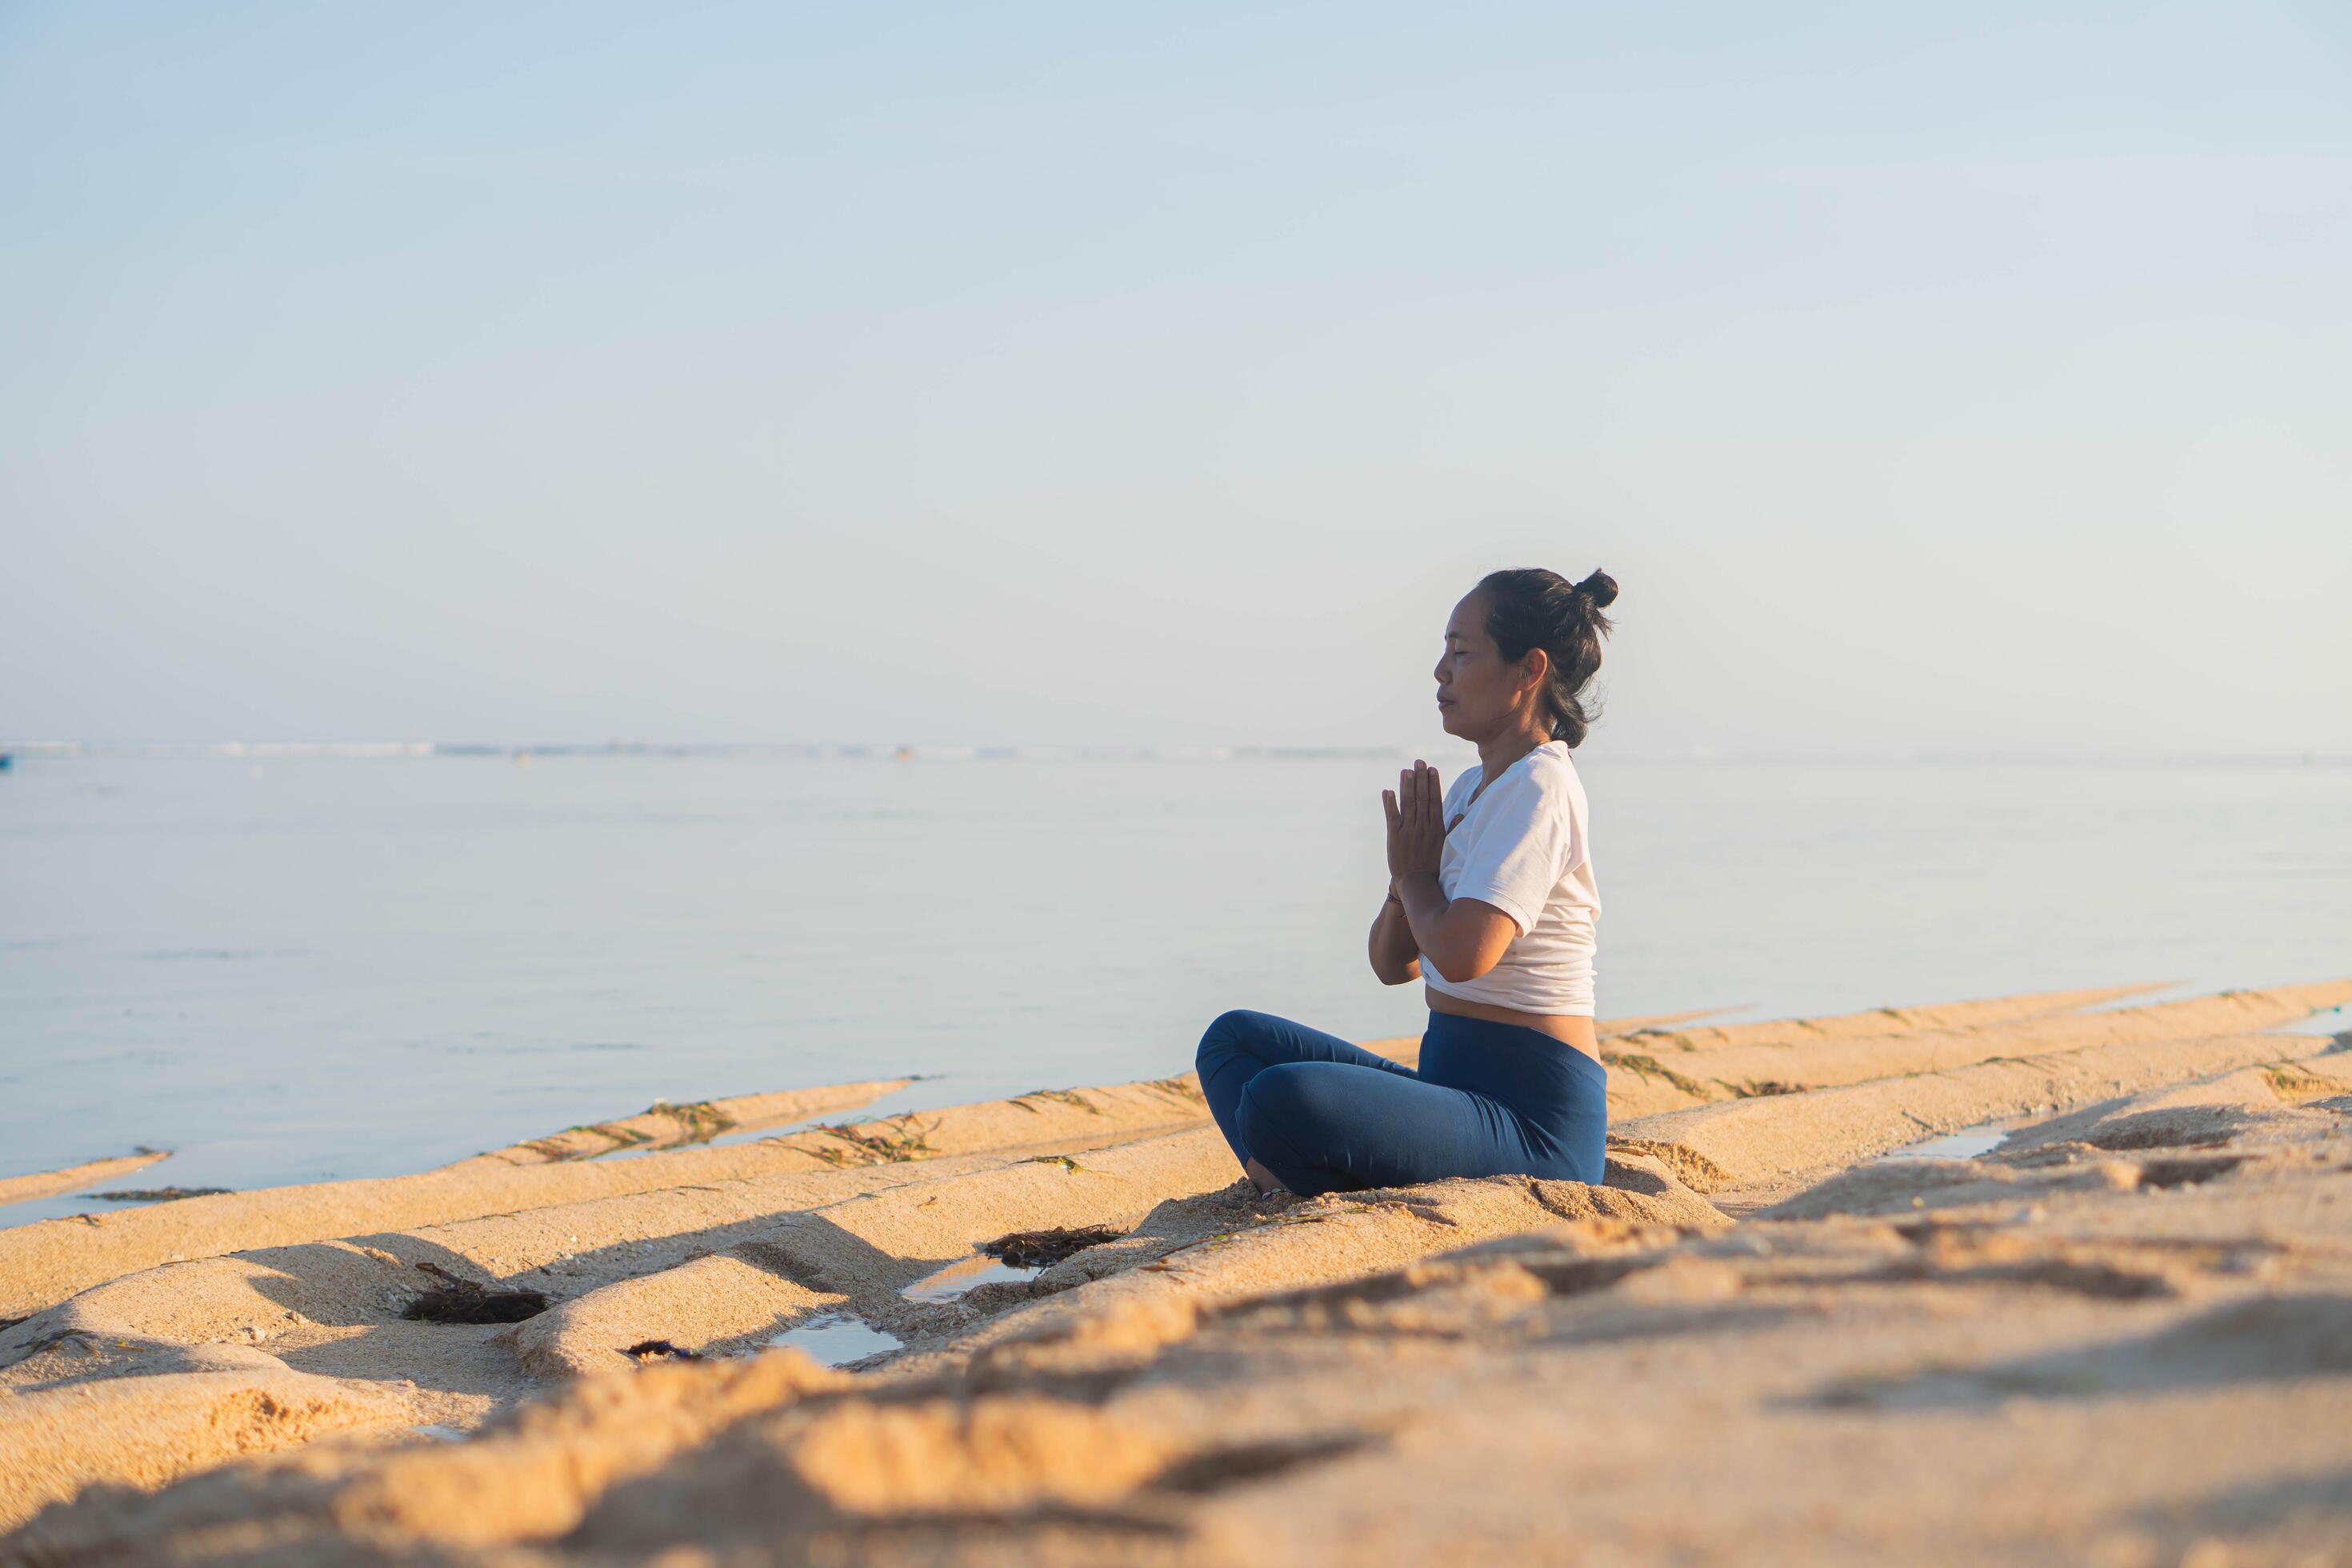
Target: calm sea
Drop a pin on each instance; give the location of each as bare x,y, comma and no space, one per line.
292,968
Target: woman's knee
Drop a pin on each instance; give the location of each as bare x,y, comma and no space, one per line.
1228,1034
1296,1101
1296,1118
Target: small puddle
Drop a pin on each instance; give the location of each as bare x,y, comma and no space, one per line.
927,1093
2335,1021
964,1275
835,1340
1967,1143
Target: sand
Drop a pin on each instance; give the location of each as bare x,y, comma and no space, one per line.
43,1263
666,1126
1785,1138
73,1178
2122,1335
1674,1071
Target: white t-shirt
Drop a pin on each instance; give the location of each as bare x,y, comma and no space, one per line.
1522,848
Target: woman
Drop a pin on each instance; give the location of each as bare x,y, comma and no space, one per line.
1491,906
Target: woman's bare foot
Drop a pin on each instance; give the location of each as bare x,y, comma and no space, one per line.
1268,1182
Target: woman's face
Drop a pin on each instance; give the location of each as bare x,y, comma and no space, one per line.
1478,694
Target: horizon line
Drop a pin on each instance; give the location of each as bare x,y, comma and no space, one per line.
928,751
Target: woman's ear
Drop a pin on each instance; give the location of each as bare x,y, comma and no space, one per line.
1534,666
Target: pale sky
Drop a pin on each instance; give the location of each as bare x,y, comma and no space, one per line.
1962,378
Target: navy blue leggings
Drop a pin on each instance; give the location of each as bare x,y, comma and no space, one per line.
1322,1115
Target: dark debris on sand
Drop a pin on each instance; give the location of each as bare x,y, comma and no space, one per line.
1043,1248
464,1301
157,1194
660,1350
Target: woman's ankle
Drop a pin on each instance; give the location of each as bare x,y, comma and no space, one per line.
1265,1180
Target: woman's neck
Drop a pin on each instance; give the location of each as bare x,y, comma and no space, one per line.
1500,752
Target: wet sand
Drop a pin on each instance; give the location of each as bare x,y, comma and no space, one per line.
73,1178
2120,1333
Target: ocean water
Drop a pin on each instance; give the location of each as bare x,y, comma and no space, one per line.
292,968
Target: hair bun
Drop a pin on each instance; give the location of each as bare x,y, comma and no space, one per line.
1600,588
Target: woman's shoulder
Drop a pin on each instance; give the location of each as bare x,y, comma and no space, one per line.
1545,779
1551,763
1549,771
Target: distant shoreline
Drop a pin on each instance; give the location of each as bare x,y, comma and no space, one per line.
926,751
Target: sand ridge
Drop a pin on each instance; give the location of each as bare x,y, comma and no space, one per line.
1786,1139
42,1263
1235,1373
73,1178
1714,1068
1974,1383
861,1253
666,1126
1880,1021
150,1429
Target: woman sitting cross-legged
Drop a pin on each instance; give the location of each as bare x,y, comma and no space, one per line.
1491,906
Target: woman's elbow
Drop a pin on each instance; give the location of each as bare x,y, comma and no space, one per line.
1402,975
1458,967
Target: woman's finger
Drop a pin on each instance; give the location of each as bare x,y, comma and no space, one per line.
1389,806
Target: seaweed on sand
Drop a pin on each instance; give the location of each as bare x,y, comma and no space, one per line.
157,1194
1647,1066
456,1300
1060,1097
660,1350
875,1143
1043,1248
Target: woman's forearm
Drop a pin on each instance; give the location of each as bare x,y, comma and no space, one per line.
1462,939
1455,939
1395,959
1422,903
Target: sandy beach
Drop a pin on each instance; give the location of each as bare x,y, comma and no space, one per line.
700,696
2111,1323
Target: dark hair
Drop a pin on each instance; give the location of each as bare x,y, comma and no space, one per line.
1530,607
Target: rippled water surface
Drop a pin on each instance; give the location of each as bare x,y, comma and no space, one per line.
339,966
